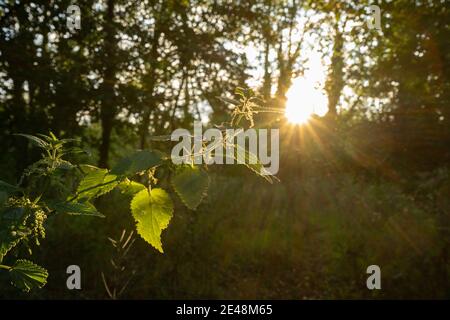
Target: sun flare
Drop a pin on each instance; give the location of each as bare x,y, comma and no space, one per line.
296,111
306,97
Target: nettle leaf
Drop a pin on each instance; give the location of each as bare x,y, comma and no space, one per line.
130,187
64,165
76,209
8,188
26,275
35,140
137,162
10,231
252,162
3,198
191,185
8,240
230,101
87,168
152,213
96,183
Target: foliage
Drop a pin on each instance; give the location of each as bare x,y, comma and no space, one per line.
369,182
58,186
152,212
26,275
35,198
191,184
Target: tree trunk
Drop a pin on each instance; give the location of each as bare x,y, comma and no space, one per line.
151,104
267,85
335,81
108,107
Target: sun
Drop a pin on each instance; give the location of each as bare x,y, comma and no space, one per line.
303,100
298,110
306,97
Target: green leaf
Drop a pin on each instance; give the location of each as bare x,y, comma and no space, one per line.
7,242
26,275
152,213
76,209
230,101
8,188
73,150
35,140
87,168
137,162
130,187
252,162
96,183
64,165
11,230
191,185
3,198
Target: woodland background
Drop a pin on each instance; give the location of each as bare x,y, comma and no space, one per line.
368,183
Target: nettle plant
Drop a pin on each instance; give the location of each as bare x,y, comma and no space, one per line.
54,186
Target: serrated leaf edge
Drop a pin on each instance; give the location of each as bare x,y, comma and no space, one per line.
43,270
203,194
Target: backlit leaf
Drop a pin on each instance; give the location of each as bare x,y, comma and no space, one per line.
96,183
137,162
191,185
130,187
76,208
152,213
26,275
35,140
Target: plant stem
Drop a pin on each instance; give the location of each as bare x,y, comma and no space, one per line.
5,267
